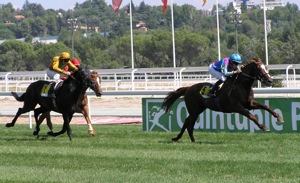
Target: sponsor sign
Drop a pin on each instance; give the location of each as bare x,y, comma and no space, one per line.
155,118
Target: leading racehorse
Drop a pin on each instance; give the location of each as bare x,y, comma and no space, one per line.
72,90
235,96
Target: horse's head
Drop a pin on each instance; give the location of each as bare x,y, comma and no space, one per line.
90,79
256,69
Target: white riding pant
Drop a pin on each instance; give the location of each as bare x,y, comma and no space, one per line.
215,73
54,75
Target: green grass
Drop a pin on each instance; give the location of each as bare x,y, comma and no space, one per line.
124,153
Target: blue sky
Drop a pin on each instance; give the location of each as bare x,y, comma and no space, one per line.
69,4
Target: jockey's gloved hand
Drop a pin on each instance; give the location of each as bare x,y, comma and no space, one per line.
237,71
67,73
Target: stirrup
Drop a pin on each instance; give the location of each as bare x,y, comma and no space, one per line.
52,95
211,93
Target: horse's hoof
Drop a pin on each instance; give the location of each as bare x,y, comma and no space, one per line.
265,129
9,125
50,133
70,137
280,120
92,132
174,139
35,133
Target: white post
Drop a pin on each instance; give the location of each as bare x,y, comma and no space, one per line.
266,33
173,36
30,119
218,30
132,60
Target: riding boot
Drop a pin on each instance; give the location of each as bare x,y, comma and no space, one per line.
214,88
51,92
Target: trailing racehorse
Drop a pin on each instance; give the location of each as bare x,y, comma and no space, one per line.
70,94
236,95
82,107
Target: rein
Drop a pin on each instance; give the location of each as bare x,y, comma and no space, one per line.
233,84
247,75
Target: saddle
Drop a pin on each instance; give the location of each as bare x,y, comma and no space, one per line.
205,90
51,89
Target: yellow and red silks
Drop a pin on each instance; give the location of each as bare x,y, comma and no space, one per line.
165,2
116,4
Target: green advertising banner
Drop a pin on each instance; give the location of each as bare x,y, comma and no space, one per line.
155,118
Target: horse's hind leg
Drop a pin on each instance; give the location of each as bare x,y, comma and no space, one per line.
39,120
20,111
185,124
256,105
28,106
190,127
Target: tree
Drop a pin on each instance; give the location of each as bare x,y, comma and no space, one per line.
16,56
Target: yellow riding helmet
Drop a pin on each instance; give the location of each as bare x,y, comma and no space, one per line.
65,55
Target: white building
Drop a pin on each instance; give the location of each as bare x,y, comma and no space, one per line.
271,4
237,4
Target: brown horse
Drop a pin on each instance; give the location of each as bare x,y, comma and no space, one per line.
82,107
236,95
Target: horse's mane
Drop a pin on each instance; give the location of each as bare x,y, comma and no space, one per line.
255,60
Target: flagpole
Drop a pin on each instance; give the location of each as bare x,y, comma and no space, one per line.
173,36
131,37
218,30
266,33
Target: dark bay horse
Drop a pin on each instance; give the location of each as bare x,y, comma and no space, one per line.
235,96
70,94
82,107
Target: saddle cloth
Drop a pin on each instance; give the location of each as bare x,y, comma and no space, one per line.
48,88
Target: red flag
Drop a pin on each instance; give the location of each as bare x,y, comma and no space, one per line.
165,2
204,2
116,4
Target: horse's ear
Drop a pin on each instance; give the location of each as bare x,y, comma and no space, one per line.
79,67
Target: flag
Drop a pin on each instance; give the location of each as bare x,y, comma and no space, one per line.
165,2
116,4
204,2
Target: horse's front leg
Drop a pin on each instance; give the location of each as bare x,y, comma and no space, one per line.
69,130
66,126
243,111
257,105
85,112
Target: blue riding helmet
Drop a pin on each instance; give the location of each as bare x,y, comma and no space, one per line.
236,58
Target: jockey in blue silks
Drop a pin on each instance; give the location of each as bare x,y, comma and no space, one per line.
224,68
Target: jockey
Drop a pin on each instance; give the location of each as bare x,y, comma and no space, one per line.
55,68
224,68
75,61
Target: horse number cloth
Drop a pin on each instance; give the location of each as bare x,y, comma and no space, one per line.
45,90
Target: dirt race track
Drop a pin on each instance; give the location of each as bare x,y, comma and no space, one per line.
109,103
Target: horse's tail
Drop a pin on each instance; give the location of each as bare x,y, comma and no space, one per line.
20,99
172,97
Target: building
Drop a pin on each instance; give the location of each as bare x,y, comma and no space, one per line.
271,4
237,5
